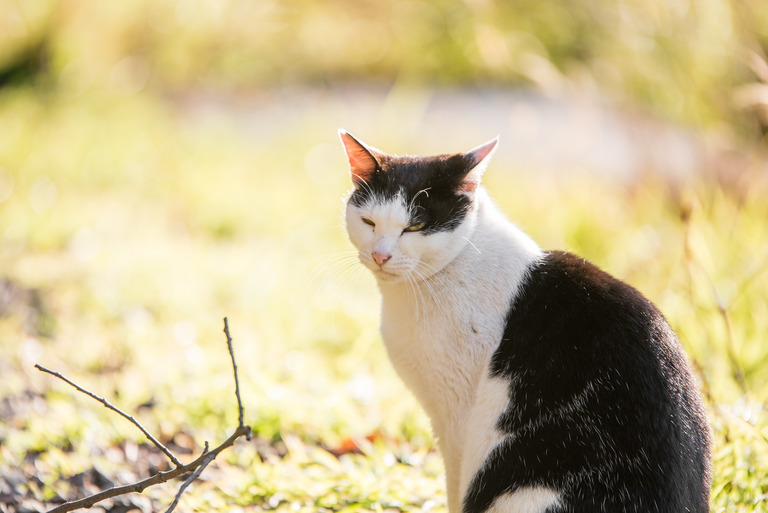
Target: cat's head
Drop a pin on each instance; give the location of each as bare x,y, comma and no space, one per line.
410,216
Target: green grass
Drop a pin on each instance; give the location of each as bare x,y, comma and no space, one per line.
132,228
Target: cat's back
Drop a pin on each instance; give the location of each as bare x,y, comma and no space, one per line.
574,322
602,407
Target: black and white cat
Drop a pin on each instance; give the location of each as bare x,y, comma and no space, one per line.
551,386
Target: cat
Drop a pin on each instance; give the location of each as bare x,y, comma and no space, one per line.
550,385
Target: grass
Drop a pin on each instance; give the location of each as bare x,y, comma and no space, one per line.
129,228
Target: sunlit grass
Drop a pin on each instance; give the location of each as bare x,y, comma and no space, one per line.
131,229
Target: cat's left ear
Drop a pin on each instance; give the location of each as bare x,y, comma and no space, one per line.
477,160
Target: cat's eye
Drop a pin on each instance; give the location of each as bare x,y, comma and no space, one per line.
368,221
415,227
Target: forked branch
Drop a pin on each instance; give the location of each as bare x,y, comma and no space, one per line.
195,467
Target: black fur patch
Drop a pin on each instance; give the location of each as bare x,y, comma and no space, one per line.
603,408
429,184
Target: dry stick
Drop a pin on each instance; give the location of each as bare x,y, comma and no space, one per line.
196,466
240,425
237,381
160,477
115,409
191,478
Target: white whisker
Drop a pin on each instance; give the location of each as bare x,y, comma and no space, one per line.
473,245
436,283
362,183
419,286
413,200
331,275
419,305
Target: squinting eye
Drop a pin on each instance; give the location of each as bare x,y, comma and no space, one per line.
368,221
415,227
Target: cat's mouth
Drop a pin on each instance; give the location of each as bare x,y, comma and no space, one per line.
378,271
385,275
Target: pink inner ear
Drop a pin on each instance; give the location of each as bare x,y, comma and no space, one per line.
361,163
483,151
478,156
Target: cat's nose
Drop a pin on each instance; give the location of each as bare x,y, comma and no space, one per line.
381,258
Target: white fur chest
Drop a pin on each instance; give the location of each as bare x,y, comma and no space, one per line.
439,336
441,333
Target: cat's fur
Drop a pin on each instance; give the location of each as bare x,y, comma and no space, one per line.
551,386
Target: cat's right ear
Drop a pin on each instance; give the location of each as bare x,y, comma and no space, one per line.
362,162
477,160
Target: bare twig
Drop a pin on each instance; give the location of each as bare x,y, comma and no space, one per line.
191,478
196,467
237,381
106,403
160,477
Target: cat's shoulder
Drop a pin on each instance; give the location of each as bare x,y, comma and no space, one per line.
565,280
572,315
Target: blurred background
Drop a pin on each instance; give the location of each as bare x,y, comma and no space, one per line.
166,163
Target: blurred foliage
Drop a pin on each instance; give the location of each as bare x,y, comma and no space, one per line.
683,60
130,225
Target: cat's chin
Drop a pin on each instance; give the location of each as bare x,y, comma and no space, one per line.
386,277
383,276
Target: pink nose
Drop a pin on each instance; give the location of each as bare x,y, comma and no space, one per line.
381,258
